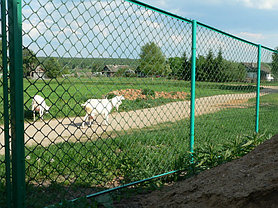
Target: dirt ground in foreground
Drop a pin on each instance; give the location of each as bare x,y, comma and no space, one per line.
249,182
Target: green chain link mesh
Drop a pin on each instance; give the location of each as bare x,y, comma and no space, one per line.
74,51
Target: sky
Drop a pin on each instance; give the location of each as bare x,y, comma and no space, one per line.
117,28
253,20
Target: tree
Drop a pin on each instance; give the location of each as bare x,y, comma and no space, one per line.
53,68
218,72
274,64
153,61
200,66
30,61
176,65
96,67
180,67
209,67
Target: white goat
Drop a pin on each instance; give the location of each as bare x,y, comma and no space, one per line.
100,106
39,105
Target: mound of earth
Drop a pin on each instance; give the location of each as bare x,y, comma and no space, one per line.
249,182
133,94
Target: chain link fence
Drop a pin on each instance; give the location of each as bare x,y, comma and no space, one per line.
98,50
110,97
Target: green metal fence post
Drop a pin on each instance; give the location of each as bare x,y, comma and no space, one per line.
6,103
193,68
17,113
258,88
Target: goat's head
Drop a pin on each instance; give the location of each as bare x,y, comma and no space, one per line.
117,101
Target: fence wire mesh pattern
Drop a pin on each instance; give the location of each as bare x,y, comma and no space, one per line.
108,96
90,58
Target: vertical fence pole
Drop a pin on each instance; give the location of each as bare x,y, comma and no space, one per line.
6,103
17,113
192,102
258,88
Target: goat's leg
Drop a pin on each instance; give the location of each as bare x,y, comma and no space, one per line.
106,119
90,120
41,115
84,120
34,115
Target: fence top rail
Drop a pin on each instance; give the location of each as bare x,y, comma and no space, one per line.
159,10
198,23
270,49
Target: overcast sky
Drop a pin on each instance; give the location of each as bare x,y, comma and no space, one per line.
254,20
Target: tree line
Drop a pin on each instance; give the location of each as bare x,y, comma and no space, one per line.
208,68
151,62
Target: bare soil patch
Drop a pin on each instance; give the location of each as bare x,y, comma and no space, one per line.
133,94
249,182
238,103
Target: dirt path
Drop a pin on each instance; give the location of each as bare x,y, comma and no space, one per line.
69,129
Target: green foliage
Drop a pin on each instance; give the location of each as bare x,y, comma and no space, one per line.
210,155
91,64
96,67
53,68
218,69
153,61
30,61
274,64
180,67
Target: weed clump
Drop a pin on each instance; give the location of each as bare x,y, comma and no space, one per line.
148,92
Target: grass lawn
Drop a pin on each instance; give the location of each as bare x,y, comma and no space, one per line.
66,95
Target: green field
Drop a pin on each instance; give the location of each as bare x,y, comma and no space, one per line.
66,95
133,155
124,157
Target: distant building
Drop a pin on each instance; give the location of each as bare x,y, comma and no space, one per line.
39,73
251,69
84,74
110,70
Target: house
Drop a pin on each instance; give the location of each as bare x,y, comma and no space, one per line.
111,70
39,73
251,69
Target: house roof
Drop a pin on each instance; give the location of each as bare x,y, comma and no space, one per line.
115,68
